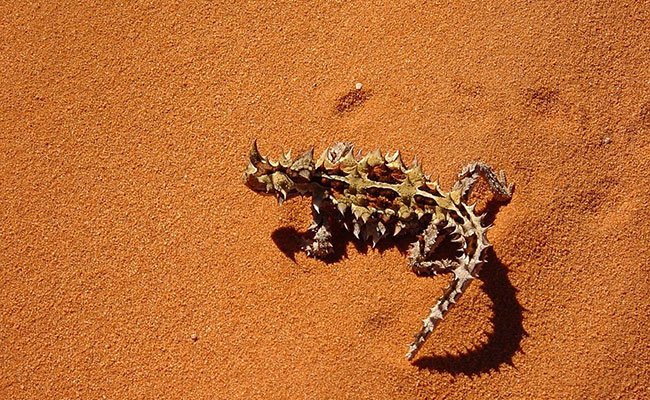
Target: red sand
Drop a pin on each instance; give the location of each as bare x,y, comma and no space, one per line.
126,230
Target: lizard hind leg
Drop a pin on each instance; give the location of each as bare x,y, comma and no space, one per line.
441,241
450,296
421,249
497,182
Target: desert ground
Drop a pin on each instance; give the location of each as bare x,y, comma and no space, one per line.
134,263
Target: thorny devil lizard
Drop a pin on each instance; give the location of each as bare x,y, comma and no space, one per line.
377,197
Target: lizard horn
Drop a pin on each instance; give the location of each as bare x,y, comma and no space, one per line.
255,157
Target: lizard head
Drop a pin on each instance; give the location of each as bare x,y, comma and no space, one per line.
284,178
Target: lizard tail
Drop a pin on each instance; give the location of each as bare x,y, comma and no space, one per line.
465,270
451,294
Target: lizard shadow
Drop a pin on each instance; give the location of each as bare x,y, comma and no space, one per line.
508,314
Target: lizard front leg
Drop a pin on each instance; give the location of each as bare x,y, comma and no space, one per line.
319,243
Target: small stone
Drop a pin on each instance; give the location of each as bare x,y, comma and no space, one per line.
358,86
194,337
607,140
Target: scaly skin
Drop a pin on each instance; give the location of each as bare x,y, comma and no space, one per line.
377,197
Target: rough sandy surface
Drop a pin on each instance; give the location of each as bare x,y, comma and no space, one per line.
135,264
